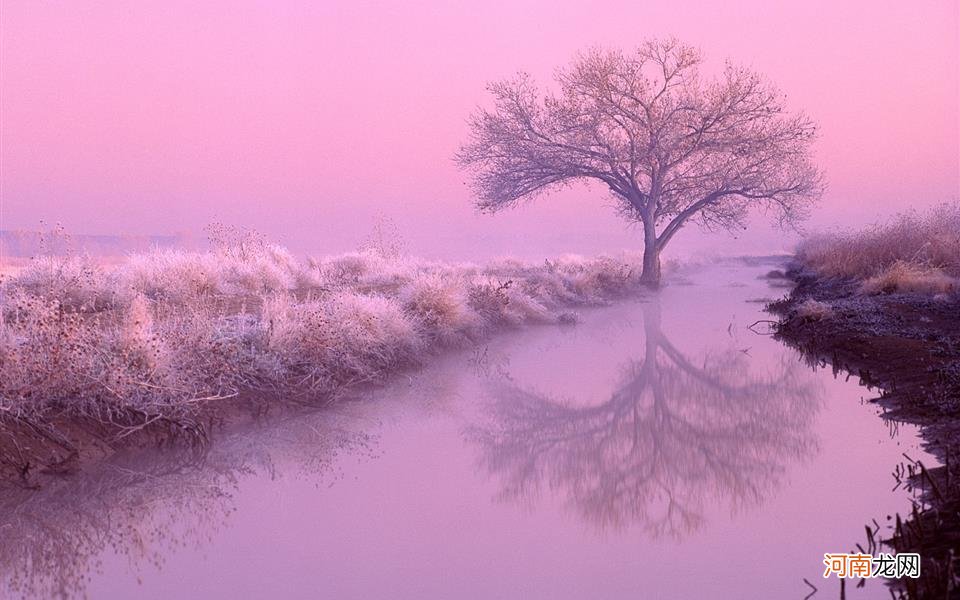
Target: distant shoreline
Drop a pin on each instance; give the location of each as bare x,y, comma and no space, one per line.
18,244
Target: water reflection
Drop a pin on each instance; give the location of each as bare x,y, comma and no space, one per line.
142,506
675,437
680,433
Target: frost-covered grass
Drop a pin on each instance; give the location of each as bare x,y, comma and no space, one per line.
911,253
157,337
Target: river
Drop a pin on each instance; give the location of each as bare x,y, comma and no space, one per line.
659,448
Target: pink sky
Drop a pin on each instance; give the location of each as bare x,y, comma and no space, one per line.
304,119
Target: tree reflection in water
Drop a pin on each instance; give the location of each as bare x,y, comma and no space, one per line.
674,438
142,506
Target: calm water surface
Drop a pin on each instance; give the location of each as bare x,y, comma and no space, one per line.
659,449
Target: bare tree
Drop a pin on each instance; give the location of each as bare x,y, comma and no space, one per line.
673,146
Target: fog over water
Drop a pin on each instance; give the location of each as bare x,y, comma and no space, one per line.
307,120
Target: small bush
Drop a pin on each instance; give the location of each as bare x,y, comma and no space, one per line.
906,277
74,281
440,306
343,339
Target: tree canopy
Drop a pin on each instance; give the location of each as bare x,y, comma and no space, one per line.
672,144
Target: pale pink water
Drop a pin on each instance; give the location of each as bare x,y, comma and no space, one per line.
543,464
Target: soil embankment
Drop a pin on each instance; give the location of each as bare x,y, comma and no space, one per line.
907,346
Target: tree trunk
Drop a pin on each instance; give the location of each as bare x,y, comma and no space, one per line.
651,256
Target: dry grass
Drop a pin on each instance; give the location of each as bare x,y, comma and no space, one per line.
907,277
911,253
814,310
931,239
149,341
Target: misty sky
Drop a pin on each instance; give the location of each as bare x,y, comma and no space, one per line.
305,119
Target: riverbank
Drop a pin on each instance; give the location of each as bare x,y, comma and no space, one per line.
165,345
907,345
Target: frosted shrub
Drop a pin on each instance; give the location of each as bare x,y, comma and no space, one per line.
488,298
550,288
138,338
75,281
522,308
506,265
216,354
346,338
271,269
46,353
173,274
56,361
349,267
602,278
372,272
440,307
369,335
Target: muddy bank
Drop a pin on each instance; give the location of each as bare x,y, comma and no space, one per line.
44,454
908,347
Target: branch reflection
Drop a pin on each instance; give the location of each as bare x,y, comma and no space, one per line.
675,437
140,506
